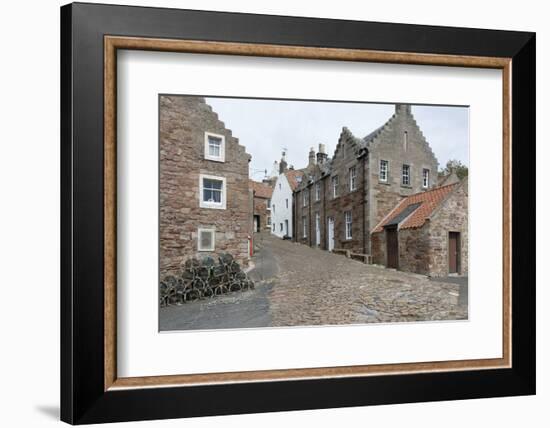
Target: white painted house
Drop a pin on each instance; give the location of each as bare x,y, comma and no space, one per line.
281,201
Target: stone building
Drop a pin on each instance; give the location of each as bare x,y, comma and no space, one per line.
205,205
341,199
282,212
426,233
261,205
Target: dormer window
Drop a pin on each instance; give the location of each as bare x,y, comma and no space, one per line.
214,147
405,141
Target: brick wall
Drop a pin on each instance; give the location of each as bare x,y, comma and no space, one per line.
183,122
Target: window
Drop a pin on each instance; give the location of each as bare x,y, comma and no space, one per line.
212,192
406,175
383,173
269,220
334,181
317,191
268,203
305,197
273,227
304,224
425,178
206,238
405,141
273,208
286,200
281,227
347,216
279,186
352,179
214,147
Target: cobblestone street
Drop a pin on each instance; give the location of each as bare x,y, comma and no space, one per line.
317,287
299,285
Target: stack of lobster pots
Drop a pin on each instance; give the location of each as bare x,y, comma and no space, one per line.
200,279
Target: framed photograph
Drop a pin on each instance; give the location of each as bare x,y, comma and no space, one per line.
266,213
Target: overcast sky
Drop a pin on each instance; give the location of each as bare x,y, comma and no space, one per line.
265,127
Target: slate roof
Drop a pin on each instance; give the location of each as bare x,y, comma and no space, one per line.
414,210
261,190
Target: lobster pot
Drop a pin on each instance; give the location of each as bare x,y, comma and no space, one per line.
204,278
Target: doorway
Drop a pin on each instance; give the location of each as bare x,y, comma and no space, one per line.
330,233
454,252
392,248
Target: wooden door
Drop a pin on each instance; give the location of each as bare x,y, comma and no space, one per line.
454,254
392,248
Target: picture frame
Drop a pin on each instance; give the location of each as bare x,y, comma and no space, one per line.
91,391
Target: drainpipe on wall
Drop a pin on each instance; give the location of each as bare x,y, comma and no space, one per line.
365,231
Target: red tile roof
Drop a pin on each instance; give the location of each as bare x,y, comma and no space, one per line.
261,190
293,175
428,201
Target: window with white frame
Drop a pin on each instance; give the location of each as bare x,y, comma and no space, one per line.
352,179
281,227
317,191
286,201
425,178
206,239
269,204
214,147
212,192
273,208
348,219
334,182
406,175
383,172
305,197
304,225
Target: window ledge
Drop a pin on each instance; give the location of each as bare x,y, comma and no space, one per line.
214,159
212,206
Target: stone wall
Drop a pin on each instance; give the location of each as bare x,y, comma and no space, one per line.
261,210
425,250
452,216
414,250
183,123
388,144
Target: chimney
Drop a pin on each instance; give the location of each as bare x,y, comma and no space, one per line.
402,108
321,155
283,165
311,157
